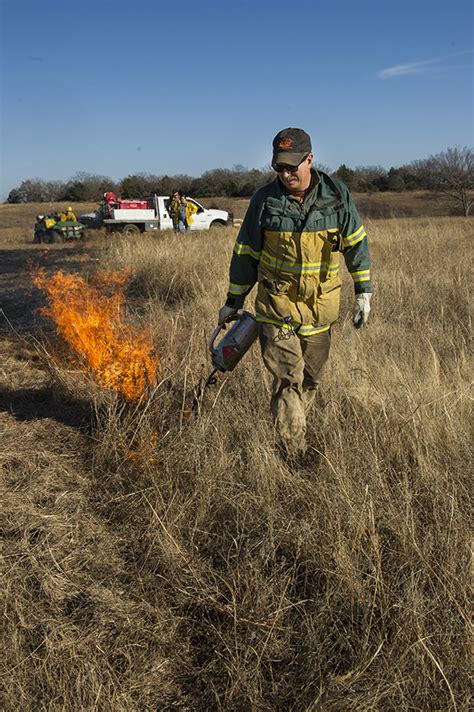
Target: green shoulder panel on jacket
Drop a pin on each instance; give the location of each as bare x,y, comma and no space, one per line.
355,246
247,249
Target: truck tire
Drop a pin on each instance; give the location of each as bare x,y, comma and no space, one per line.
55,237
131,229
218,224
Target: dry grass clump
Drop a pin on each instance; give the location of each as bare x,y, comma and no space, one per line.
163,556
175,269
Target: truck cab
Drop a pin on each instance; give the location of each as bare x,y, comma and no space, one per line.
206,218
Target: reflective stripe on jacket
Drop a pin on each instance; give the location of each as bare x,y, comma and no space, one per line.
293,251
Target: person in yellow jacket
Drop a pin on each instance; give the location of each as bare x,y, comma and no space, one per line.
67,215
297,231
186,213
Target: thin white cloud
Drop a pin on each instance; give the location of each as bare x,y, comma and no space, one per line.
416,67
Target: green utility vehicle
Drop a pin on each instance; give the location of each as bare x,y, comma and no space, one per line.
64,231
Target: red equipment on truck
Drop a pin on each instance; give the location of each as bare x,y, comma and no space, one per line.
114,203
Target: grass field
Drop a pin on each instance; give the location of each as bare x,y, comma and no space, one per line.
159,555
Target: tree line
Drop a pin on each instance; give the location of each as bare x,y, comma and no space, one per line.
450,172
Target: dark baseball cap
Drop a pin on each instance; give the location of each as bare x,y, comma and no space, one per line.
290,146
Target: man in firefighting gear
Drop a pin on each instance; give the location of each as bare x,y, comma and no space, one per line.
173,208
40,228
290,242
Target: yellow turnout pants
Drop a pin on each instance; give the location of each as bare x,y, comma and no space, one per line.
295,364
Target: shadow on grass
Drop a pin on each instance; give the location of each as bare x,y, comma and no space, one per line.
28,404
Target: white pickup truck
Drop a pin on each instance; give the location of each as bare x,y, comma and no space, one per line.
156,217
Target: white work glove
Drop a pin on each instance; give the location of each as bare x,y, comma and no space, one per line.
225,312
361,309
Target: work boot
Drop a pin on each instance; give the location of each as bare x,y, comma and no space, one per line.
291,450
308,398
305,459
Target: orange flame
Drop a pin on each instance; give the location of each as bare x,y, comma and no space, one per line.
88,316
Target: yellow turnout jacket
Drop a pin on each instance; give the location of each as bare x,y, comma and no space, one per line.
292,250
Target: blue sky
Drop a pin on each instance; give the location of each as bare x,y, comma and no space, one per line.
115,88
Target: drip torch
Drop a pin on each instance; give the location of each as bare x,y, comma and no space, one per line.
234,345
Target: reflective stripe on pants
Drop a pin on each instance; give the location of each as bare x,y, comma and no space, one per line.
295,364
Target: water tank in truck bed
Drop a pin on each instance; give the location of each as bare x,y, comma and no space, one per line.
132,204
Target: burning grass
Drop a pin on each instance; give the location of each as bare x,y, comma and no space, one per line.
197,571
88,316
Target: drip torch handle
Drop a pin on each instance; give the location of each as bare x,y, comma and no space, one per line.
219,328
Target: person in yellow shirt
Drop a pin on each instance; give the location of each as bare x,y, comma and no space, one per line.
68,215
186,213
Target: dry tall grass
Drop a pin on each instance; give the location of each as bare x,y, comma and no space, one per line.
162,556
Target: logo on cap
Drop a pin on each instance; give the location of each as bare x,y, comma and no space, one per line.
286,143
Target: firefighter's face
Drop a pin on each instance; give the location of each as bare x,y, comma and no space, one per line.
297,178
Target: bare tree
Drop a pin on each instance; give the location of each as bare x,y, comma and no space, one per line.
452,173
37,190
87,187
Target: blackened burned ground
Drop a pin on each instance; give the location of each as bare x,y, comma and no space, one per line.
19,300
